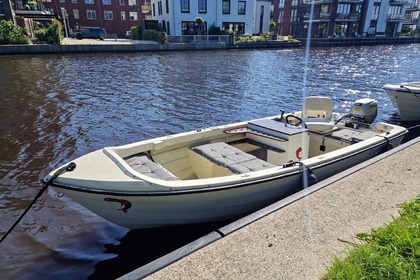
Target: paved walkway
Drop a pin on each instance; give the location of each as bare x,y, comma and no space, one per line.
303,234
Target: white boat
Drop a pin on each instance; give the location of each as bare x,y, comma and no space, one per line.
222,172
406,99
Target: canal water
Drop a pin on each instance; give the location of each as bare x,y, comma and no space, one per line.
55,108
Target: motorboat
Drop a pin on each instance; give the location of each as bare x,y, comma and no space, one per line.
223,172
406,99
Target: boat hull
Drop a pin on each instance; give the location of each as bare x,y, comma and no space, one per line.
142,209
405,99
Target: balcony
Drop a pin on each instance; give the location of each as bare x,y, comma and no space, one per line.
413,7
409,19
317,2
347,17
349,1
395,18
318,17
399,2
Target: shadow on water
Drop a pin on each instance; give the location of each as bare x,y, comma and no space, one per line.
140,247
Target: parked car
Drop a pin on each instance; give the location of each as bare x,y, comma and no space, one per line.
128,34
92,33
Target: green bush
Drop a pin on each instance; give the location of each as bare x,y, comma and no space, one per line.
136,33
50,34
153,35
213,30
11,34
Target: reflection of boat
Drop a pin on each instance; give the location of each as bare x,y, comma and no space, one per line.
222,172
406,98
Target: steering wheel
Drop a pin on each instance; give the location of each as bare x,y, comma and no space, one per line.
289,117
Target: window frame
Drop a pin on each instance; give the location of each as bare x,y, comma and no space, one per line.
107,13
91,14
200,5
185,6
226,7
241,10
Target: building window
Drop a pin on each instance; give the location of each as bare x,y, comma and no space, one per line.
191,28
62,1
160,7
91,14
202,6
132,3
76,14
375,12
122,2
226,7
106,2
293,15
241,7
123,16
167,6
281,4
89,2
185,6
133,16
281,15
237,27
154,9
74,1
343,9
108,15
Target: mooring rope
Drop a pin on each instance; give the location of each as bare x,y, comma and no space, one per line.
70,167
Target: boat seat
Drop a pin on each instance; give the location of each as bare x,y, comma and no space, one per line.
317,112
319,124
144,165
232,158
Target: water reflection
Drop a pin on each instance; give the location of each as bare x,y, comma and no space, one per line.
58,107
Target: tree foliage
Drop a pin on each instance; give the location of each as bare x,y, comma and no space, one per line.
50,34
11,34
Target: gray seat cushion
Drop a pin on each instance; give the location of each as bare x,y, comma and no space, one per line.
232,158
142,164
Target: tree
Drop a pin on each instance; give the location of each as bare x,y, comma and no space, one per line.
272,25
200,22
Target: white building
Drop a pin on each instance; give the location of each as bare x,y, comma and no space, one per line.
384,17
177,17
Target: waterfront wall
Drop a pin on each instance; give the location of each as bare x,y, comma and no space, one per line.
45,48
358,41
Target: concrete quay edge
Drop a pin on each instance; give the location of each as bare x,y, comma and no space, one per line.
162,268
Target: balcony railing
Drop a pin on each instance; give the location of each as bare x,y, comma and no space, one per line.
317,2
413,7
409,19
350,1
399,2
318,17
395,17
347,17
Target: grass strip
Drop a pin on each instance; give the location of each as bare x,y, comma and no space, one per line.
390,252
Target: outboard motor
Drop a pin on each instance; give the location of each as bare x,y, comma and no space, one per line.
363,112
